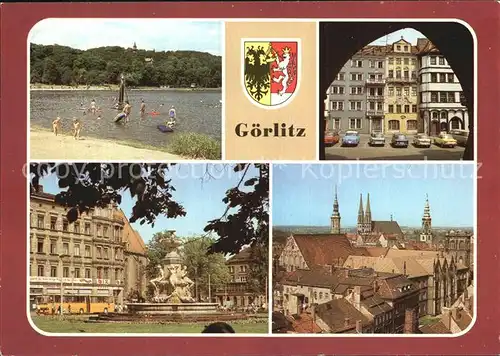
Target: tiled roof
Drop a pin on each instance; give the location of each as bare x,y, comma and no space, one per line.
316,277
377,251
408,266
340,315
435,328
387,227
304,323
424,46
244,255
392,288
325,249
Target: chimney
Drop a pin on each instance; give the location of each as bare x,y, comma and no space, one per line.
375,286
411,321
357,297
404,268
346,322
359,327
346,273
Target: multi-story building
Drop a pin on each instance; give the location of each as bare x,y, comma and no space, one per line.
84,259
237,293
401,88
440,91
346,103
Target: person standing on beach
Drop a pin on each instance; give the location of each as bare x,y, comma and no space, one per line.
56,125
77,128
143,109
126,110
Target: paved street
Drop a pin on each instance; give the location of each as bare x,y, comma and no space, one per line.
364,152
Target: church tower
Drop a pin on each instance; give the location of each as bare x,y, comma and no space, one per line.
368,216
426,233
335,215
361,216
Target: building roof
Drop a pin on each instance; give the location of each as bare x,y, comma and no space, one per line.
406,266
131,237
435,328
325,249
425,46
340,315
316,277
395,287
390,227
377,251
244,256
305,324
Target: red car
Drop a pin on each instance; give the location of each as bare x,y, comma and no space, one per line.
331,138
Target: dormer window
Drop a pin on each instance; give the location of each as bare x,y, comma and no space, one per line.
406,48
398,48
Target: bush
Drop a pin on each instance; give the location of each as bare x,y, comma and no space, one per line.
194,145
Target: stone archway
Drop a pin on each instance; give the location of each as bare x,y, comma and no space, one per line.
454,41
456,123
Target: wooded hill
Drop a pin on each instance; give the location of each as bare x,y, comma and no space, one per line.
61,65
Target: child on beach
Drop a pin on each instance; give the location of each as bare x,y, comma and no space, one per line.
56,125
77,128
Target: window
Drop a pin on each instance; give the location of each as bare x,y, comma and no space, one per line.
451,77
434,115
340,77
455,124
391,73
391,91
413,91
406,60
391,108
356,90
434,97
414,108
442,77
40,222
87,273
372,91
106,273
357,63
413,75
380,64
99,230
105,231
76,250
380,91
99,272
99,252
433,61
372,105
398,73
434,78
39,246
66,248
407,109
76,274
372,63
336,123
53,271
398,91
66,272
337,105
398,109
442,97
443,114
414,61
53,247
354,124
106,253
356,76
243,279
398,47
407,91
320,295
337,90
40,271
87,251
398,60
391,60
380,106
441,61
53,222
406,74
87,228
451,97
65,225
406,48
76,227
355,105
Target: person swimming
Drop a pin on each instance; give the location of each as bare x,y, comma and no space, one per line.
172,114
142,111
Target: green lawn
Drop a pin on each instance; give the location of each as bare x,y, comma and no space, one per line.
77,325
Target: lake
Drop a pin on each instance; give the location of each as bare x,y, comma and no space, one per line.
197,111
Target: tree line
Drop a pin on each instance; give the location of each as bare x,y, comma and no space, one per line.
62,65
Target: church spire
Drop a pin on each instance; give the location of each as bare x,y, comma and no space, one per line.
426,233
335,202
368,212
335,218
361,216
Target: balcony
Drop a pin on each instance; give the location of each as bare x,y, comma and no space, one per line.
374,97
373,81
375,113
402,80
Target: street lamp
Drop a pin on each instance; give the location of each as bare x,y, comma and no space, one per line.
61,256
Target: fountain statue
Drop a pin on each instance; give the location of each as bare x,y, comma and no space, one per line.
172,283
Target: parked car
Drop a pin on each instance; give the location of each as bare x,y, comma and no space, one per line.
376,139
422,140
460,136
331,138
445,140
351,138
399,140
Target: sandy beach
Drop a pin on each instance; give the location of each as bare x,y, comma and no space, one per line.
45,145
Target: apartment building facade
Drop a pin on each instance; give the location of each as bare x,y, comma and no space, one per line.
440,91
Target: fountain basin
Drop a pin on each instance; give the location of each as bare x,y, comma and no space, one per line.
172,308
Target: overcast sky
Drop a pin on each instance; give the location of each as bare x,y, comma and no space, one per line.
157,34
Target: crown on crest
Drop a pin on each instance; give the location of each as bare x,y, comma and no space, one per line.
286,50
